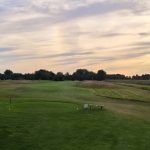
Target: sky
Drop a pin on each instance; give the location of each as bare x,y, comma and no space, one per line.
64,35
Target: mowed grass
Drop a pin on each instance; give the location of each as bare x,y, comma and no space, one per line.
124,93
48,115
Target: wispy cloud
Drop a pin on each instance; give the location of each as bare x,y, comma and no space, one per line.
70,34
6,49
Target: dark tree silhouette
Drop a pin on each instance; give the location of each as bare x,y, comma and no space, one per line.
2,77
8,74
83,74
142,77
145,77
79,74
67,76
59,76
17,76
29,76
117,77
44,75
101,75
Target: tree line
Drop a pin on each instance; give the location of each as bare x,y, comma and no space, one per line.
79,74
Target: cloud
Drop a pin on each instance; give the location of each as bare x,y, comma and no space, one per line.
97,8
60,55
6,49
40,14
145,43
144,34
74,33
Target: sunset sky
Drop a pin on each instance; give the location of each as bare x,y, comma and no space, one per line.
63,35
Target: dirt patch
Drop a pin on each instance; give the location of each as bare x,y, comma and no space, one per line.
13,83
99,84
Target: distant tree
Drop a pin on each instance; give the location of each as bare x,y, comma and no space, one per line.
92,75
117,77
17,76
2,77
29,76
145,77
142,77
8,74
51,75
101,75
136,77
81,74
59,76
43,75
67,76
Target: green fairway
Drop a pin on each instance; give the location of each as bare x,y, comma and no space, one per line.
48,115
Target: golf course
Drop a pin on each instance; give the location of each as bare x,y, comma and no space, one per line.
49,115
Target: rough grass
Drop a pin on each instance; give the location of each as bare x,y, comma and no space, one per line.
124,93
119,90
138,82
44,115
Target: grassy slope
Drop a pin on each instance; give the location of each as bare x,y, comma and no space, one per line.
125,93
141,84
34,122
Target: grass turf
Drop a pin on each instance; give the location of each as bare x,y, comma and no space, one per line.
44,115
